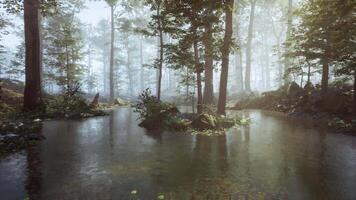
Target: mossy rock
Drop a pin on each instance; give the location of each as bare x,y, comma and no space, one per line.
205,122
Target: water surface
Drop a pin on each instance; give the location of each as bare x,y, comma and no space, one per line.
109,157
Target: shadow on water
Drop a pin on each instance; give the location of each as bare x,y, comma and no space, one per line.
109,157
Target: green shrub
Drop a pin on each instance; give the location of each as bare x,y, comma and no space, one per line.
153,112
73,106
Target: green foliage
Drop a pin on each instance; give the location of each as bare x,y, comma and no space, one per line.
75,106
16,70
5,110
4,23
205,121
15,6
155,113
63,46
325,34
111,3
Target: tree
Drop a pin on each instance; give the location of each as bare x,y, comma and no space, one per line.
64,44
17,64
343,39
229,6
157,26
33,63
287,62
3,24
249,46
238,52
325,37
313,35
112,4
210,19
101,41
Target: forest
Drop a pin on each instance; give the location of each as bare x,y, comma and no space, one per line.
177,99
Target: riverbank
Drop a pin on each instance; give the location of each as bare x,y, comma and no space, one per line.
334,113
20,129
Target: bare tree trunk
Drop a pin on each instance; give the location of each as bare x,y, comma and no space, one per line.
289,30
128,65
238,56
266,56
325,77
209,86
90,86
142,86
229,5
309,72
33,87
249,47
187,84
105,74
355,94
112,54
160,63
198,71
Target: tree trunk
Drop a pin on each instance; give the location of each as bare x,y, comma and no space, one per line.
159,85
249,47
112,54
129,70
325,77
209,86
355,94
309,72
229,5
32,94
142,86
90,85
238,56
105,81
289,30
198,71
267,64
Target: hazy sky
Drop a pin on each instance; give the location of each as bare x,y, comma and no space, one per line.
94,12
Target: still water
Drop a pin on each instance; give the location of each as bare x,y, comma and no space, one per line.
112,158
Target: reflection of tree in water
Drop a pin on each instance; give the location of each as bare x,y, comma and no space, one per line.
34,175
210,168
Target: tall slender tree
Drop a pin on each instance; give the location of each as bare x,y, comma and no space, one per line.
112,4
287,61
225,49
249,46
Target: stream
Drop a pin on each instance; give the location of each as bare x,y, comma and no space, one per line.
110,157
